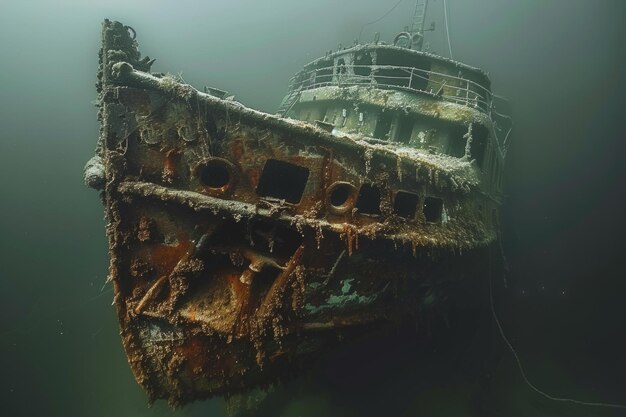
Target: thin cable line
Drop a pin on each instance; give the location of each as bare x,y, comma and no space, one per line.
445,14
379,19
521,368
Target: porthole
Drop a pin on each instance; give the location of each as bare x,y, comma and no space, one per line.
341,196
215,174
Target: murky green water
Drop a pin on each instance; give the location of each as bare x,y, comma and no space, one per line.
561,63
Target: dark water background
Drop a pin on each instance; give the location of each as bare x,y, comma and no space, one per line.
561,63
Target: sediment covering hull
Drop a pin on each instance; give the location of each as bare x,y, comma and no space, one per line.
242,243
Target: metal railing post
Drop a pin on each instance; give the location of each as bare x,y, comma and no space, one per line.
456,83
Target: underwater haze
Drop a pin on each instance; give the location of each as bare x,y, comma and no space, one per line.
561,63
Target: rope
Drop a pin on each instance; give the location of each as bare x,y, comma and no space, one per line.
445,14
379,19
521,368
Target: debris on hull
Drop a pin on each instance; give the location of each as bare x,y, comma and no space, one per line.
242,243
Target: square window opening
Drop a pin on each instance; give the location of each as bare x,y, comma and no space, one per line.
283,181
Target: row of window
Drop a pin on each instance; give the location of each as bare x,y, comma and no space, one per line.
433,135
285,181
430,134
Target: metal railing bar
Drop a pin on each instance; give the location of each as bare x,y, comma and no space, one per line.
405,68
468,92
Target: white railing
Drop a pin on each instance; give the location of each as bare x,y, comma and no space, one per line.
443,86
466,92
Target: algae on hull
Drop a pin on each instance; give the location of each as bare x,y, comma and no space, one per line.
242,243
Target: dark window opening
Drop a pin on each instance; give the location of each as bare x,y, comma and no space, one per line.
457,141
405,129
479,143
405,204
433,209
383,125
341,66
363,64
214,174
368,201
340,195
282,180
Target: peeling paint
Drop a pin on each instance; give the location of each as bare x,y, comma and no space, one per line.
242,243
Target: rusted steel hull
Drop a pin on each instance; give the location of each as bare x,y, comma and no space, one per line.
243,244
209,320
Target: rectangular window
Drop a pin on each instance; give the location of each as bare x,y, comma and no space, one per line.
283,181
433,209
383,125
405,204
405,129
368,201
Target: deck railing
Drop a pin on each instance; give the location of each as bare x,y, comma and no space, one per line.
466,92
446,87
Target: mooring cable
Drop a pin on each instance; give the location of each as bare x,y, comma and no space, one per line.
521,368
379,19
445,14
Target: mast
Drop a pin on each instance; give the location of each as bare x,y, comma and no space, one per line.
419,17
417,28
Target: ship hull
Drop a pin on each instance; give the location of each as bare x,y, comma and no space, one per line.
203,330
245,245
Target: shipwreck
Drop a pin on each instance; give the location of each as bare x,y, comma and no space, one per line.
243,244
